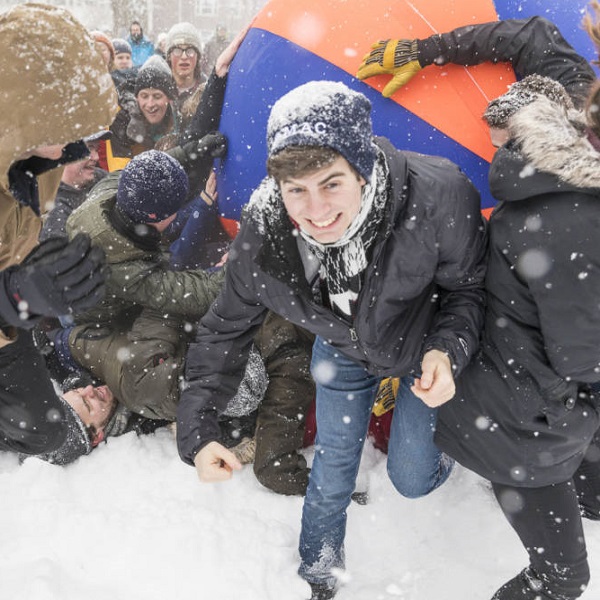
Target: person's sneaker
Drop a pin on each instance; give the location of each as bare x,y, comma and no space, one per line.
245,451
321,591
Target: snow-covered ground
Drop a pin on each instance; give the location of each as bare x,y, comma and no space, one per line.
132,522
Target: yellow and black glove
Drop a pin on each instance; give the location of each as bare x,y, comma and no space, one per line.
386,395
391,57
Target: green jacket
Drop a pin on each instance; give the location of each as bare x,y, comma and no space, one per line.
139,276
142,365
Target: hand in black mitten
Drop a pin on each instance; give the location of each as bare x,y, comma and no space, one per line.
212,144
57,278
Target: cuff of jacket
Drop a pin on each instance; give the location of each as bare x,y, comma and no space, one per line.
457,350
428,50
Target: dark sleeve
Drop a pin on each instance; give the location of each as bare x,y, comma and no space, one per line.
216,360
460,275
187,251
197,169
533,45
208,114
55,222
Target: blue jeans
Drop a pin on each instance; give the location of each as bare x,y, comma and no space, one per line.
345,396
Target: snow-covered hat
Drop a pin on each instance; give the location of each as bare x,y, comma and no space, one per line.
152,187
183,34
79,439
325,113
156,73
77,443
522,93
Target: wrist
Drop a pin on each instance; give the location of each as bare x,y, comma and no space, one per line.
428,51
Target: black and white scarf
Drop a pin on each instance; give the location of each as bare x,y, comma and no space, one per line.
343,263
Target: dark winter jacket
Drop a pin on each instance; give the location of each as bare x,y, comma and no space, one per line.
522,414
67,200
423,289
531,45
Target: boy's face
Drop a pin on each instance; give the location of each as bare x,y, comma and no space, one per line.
123,60
82,172
154,104
325,202
92,404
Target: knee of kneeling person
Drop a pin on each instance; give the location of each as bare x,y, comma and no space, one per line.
288,482
409,485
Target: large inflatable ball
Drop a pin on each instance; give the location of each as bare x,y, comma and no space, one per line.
439,112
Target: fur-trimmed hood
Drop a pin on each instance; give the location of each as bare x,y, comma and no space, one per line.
550,152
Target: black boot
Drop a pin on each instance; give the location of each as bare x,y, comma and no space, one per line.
525,586
320,591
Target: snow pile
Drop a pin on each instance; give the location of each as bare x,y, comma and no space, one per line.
131,521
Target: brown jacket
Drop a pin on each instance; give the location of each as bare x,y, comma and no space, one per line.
55,90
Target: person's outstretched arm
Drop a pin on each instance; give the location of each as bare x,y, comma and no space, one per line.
533,45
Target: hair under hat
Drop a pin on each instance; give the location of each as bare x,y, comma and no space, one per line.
103,39
522,93
155,73
152,187
325,113
183,34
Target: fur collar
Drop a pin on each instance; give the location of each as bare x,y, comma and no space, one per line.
555,141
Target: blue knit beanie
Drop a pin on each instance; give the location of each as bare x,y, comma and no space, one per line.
325,113
152,187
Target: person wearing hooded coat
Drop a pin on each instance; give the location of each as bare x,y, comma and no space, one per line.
52,96
526,410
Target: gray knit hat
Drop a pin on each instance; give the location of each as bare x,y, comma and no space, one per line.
521,94
328,114
183,34
155,73
77,443
121,46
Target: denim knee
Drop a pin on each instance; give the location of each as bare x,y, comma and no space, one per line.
412,483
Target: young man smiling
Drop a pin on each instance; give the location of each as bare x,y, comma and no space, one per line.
380,253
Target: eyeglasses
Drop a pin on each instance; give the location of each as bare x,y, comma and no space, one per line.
190,51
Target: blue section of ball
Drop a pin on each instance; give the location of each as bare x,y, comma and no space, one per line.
268,66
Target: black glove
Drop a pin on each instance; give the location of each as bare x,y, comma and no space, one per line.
57,278
212,144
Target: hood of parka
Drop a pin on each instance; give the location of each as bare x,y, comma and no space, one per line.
55,86
549,153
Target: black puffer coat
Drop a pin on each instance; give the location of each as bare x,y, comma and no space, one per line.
522,414
423,289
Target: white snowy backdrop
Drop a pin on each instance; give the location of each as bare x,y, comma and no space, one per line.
132,522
